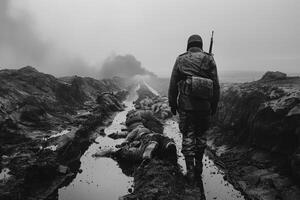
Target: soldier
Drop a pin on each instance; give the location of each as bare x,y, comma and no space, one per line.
194,92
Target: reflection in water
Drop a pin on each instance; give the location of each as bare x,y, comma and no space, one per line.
101,178
59,134
213,178
4,175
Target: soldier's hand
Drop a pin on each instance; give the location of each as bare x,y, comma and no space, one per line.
173,110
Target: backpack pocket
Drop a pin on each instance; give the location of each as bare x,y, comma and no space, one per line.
197,87
201,87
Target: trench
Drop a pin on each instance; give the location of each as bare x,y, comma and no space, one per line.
102,178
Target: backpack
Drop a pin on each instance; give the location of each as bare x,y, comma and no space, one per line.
197,87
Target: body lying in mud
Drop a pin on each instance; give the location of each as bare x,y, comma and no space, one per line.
152,154
145,139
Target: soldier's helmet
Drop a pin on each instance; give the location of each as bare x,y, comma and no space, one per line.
195,41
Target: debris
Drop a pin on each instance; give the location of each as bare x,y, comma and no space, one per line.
63,169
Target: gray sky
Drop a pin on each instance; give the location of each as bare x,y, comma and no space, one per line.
254,35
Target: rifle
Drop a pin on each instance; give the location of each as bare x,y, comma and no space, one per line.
211,42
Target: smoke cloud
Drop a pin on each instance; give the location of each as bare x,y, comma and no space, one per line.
20,45
125,66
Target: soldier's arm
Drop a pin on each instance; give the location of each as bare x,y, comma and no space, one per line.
173,89
216,86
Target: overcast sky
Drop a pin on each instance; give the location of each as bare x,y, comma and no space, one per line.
255,35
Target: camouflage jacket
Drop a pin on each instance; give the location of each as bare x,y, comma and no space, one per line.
194,62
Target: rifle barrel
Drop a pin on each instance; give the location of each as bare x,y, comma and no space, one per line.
211,42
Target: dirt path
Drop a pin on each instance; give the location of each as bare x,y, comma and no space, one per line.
215,186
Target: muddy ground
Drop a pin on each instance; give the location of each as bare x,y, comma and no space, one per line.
161,176
48,124
44,131
257,145
255,136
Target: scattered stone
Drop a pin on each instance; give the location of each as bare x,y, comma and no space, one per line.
63,169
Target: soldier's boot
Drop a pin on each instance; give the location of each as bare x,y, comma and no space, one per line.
190,168
171,152
198,175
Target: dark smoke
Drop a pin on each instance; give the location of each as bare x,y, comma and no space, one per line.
20,46
125,66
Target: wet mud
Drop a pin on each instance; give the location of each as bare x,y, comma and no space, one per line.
215,184
102,177
105,176
96,153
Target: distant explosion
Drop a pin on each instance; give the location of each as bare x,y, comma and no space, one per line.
126,66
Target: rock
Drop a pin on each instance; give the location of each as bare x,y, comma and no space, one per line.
273,76
294,111
243,185
63,169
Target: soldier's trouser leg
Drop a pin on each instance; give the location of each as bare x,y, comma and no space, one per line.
192,126
188,144
201,125
188,135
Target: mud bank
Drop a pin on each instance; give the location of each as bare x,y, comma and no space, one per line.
256,136
101,177
46,124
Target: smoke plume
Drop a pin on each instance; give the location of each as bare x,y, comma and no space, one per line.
125,66
20,45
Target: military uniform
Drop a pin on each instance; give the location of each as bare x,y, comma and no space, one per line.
194,113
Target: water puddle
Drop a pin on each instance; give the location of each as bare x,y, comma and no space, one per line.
59,134
213,178
101,178
52,147
4,175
